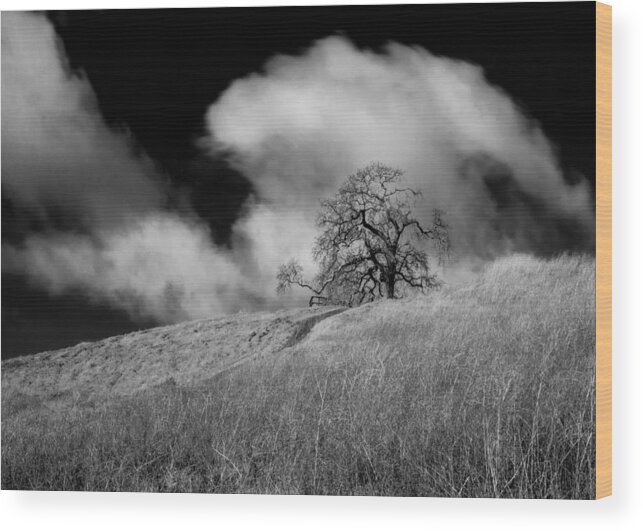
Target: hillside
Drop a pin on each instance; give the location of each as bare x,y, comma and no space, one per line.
481,389
183,354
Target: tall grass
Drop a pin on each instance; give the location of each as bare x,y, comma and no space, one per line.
484,390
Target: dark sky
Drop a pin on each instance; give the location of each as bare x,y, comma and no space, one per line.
157,71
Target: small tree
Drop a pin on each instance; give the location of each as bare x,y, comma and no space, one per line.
367,246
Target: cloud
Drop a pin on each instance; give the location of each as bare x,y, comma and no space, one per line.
159,267
58,156
300,127
61,161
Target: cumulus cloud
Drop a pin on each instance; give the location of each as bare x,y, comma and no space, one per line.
159,267
300,127
60,158
57,153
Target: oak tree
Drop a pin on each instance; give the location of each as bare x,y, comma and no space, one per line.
370,243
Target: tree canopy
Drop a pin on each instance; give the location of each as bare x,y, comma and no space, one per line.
370,243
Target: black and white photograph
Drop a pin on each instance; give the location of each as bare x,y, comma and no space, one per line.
315,250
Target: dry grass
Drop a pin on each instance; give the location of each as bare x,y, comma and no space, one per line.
185,354
481,390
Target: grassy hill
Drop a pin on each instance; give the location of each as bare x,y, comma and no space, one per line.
485,389
183,354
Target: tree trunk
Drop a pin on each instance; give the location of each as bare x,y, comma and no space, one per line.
390,286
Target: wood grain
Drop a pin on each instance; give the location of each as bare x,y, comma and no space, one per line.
603,250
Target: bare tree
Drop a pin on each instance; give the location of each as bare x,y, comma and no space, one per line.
368,244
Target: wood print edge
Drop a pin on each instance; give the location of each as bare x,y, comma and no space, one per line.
603,250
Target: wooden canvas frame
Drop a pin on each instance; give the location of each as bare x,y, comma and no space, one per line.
603,250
